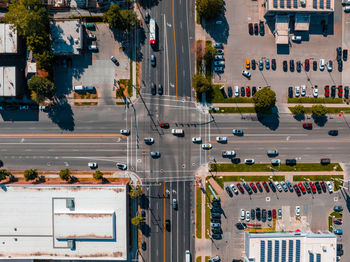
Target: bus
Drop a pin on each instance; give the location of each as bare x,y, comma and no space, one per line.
152,32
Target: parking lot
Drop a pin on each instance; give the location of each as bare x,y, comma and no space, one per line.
240,45
95,68
314,212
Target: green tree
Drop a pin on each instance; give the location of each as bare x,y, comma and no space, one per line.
135,192
28,17
41,88
124,20
30,174
44,60
129,19
210,53
201,84
264,100
319,110
138,220
38,43
4,173
98,175
298,110
65,174
209,9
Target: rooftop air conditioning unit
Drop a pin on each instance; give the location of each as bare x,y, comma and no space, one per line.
303,3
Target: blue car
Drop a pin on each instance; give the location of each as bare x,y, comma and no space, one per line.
338,231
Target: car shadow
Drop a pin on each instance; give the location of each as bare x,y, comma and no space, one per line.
145,230
320,120
148,3
271,120
299,117
144,202
61,114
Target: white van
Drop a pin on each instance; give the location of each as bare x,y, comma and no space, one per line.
188,256
236,91
322,64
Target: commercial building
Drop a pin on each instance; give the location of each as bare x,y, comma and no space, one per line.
66,37
8,81
295,247
64,222
8,39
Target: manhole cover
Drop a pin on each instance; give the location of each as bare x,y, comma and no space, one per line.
139,160
183,166
131,168
335,199
268,199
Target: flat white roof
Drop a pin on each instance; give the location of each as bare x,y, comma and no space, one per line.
8,39
66,37
300,5
7,81
35,222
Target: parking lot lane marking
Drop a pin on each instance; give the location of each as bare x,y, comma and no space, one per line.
174,47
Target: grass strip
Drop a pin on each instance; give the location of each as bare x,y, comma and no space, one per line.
233,110
207,258
228,167
331,110
313,100
199,259
85,103
317,177
198,212
330,219
217,97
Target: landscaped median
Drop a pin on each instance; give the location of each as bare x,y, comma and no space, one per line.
85,103
222,179
330,219
198,212
217,97
330,110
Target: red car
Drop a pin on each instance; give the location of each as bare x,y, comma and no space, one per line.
326,91
274,213
340,91
338,221
253,187
259,186
240,188
323,185
302,188
164,125
266,187
313,187
296,188
247,91
307,125
307,65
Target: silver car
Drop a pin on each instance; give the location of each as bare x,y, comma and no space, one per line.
215,225
125,132
221,139
155,154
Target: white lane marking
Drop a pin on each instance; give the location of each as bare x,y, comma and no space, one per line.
251,135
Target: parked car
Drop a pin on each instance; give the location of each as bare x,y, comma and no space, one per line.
326,91
220,52
253,187
250,28
322,64
247,64
307,125
263,215
307,187
318,187
346,92
275,162
330,188
122,166
278,186
324,187
269,215
229,91
246,74
298,66
236,91
256,29
153,89
242,91
247,216
258,185
219,63
303,90
340,91
333,91
291,65
272,186
313,187
228,190
296,38
297,211
290,92
339,53
253,64
314,65
273,64
338,208
325,161
266,186
261,64
258,213
147,18
338,231
219,57
315,92
338,221
247,91
164,125
284,186
234,189
285,66
297,190
160,89
297,91
262,28
242,214
290,186
302,188
218,45
279,212
345,54
249,161
330,66
240,188
307,65
254,90
291,162
267,64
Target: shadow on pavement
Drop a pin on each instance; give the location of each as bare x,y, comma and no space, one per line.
144,202
299,117
270,120
148,3
219,32
61,114
320,120
145,230
28,115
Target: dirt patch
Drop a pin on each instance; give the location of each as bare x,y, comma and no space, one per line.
85,96
85,103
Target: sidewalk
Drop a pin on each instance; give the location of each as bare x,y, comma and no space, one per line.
277,104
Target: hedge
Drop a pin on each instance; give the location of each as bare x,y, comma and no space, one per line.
313,100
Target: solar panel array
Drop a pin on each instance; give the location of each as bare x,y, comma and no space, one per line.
328,4
277,250
269,251
281,3
321,4
274,3
290,252
318,257
262,251
284,247
297,251
295,3
289,3
314,4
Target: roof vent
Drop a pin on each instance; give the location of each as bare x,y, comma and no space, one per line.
70,203
71,244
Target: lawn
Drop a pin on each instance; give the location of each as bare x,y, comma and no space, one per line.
234,110
227,167
313,100
198,213
331,110
222,179
198,259
217,97
317,177
85,103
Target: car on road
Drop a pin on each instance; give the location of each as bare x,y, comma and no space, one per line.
125,132
272,153
221,139
167,225
302,188
228,153
261,64
275,162
249,161
291,162
338,231
247,216
266,186
326,91
285,66
256,29
340,91
218,45
307,125
297,211
253,187
247,90
246,74
219,57
148,140
228,190
272,186
347,9
196,139
263,215
234,189
333,132
290,92
238,132
291,65
242,214
164,125
330,66
333,91
338,208
273,64
207,146
175,203
269,215
284,186
258,214
242,91
153,61
314,65
93,165
298,66
289,185
315,91
160,89
303,90
278,186
155,154
296,188
267,64
122,166
153,89
297,91
250,28
262,28
313,187
240,188
307,65
258,185
330,188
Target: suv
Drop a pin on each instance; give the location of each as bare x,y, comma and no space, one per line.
228,154
291,162
246,74
272,152
237,132
153,61
175,204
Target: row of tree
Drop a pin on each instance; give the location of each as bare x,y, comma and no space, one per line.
121,19
317,110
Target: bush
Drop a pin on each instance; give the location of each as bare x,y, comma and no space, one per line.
201,84
41,88
313,100
298,110
4,173
209,9
264,100
319,110
30,174
136,221
65,174
98,175
135,192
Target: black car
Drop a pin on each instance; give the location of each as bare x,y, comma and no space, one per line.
228,190
345,54
298,66
242,91
272,186
160,89
291,65
253,64
241,226
273,64
333,91
215,215
314,65
246,186
285,66
216,230
339,53
253,90
338,208
262,28
216,203
269,215
340,65
291,162
252,214
256,29
216,236
216,210
290,91
153,89
250,28
147,18
167,225
318,187
229,91
143,246
215,220
263,215
346,92
153,61
258,214
333,132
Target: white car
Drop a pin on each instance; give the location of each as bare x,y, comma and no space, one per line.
91,36
234,189
207,146
228,153
297,91
92,48
347,9
279,188
125,132
221,139
242,214
236,91
322,64
315,92
122,166
296,38
275,162
303,90
247,216
92,165
330,188
297,211
219,63
330,66
246,74
148,140
196,139
249,161
219,57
